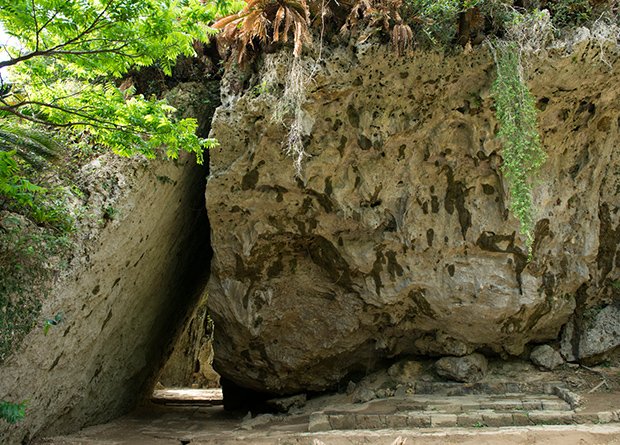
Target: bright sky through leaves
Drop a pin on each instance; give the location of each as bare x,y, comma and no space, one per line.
4,40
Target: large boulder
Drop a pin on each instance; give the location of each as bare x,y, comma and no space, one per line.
469,368
546,357
397,238
596,334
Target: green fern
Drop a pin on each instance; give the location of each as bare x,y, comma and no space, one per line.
34,147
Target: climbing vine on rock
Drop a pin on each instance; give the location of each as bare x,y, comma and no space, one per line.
523,154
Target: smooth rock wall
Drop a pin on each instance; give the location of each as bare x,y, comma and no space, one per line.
127,295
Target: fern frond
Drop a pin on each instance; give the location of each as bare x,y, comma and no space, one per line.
32,146
249,22
280,15
300,7
220,24
262,28
298,43
287,24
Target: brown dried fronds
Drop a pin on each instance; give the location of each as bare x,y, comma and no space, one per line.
383,13
266,21
365,11
402,38
329,12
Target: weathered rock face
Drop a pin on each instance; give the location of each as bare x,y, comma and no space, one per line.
599,334
129,290
191,361
398,239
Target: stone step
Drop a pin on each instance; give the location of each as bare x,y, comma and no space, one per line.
476,418
188,397
458,404
558,407
455,404
485,388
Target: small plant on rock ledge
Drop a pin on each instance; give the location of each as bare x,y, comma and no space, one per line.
47,322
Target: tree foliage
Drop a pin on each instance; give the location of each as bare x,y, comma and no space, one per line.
70,54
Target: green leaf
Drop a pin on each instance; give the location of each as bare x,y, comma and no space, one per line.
12,413
71,51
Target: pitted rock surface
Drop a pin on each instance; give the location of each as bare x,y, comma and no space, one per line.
398,238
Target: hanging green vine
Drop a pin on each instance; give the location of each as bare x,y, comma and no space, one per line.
522,153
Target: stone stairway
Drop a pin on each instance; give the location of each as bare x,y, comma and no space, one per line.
460,405
188,397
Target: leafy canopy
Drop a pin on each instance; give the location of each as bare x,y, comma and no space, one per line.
71,53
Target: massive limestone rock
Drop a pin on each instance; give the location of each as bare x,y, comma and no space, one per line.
397,238
127,293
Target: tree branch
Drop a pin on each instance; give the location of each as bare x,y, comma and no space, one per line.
36,25
55,49
89,120
59,108
51,18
